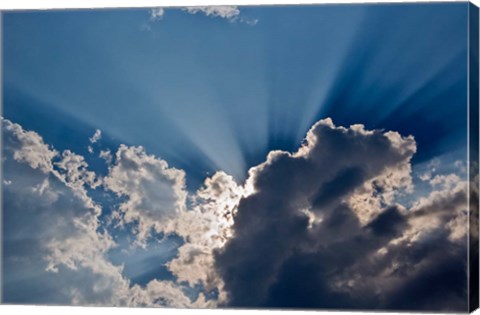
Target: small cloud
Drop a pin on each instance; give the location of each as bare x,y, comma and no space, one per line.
425,176
94,139
7,182
250,22
228,12
106,155
96,136
431,170
156,14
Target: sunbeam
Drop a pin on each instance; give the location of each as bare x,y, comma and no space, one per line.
261,156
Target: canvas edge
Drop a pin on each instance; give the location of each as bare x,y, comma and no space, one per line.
473,145
1,157
473,156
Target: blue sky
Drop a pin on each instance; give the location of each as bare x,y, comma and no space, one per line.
207,93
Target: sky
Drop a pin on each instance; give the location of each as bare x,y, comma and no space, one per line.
270,156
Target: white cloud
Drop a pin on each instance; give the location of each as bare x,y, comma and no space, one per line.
164,293
156,200
447,207
96,136
52,235
27,147
94,139
431,169
155,192
446,181
206,228
156,14
228,12
106,155
75,171
53,211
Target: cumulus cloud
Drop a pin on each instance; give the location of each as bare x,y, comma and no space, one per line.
322,229
205,228
49,219
54,247
155,192
75,170
157,202
27,147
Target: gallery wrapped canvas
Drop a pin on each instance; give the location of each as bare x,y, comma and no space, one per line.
267,157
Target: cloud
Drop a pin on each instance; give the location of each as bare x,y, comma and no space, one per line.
445,208
155,192
27,147
157,202
322,229
96,136
156,14
75,170
432,167
49,221
206,227
94,139
106,155
228,12
54,247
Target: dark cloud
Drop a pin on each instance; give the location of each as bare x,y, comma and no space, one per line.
318,228
304,238
389,223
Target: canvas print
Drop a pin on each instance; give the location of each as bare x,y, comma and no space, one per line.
267,157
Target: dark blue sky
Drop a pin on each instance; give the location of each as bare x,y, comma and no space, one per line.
206,94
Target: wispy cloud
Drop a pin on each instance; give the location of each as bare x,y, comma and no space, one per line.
94,139
228,12
96,136
156,14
